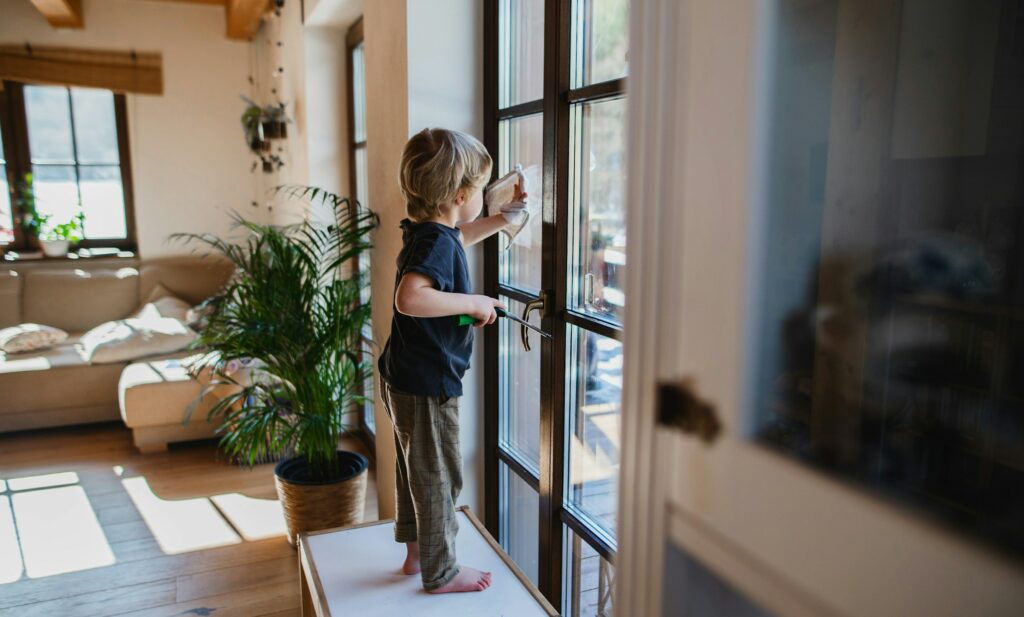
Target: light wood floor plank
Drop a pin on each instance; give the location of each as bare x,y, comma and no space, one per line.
250,579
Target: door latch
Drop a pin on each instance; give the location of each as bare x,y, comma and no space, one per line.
680,407
532,305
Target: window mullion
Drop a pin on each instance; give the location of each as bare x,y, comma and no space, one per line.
74,150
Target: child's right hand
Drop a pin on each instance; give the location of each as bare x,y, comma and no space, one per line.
482,309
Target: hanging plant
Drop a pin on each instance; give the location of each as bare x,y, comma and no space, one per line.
274,122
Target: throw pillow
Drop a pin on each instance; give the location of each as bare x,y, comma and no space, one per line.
30,337
167,306
133,338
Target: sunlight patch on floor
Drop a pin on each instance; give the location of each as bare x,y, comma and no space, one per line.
43,481
10,554
255,519
59,532
180,526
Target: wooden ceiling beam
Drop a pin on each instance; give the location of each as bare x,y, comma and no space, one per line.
243,17
61,13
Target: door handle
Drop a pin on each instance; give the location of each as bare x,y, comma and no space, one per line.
532,305
680,407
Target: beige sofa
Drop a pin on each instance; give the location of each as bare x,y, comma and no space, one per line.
57,387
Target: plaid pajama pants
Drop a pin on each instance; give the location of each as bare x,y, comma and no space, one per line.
428,478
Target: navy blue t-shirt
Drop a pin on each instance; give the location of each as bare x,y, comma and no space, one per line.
429,355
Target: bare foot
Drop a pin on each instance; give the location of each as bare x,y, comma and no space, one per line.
412,558
468,579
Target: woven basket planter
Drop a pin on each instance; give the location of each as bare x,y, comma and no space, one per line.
312,506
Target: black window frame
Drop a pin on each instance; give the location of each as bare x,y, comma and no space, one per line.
14,125
559,98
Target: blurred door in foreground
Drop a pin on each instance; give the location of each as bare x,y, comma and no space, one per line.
845,221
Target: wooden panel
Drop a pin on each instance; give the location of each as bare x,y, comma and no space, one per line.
120,71
61,13
244,16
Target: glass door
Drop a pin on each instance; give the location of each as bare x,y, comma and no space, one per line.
556,106
840,412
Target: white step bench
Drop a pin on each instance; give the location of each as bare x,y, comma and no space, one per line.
354,572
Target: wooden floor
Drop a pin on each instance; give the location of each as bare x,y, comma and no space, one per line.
250,578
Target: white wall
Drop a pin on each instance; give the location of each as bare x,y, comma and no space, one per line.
189,161
327,135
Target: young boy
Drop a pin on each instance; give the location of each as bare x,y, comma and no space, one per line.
442,174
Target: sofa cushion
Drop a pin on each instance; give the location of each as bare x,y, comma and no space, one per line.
10,298
131,339
54,379
161,392
30,337
189,277
77,300
167,306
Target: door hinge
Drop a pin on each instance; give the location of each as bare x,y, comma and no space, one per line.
680,407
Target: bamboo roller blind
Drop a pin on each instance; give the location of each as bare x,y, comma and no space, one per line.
120,71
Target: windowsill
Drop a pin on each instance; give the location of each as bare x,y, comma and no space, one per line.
80,255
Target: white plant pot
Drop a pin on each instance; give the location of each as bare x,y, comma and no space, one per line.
55,248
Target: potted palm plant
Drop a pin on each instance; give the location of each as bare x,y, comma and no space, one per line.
293,313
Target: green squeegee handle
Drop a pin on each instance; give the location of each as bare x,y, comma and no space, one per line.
466,320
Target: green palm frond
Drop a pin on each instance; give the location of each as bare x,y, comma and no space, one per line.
293,309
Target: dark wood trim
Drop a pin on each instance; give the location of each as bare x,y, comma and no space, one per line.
492,488
599,91
18,157
596,540
593,324
521,469
520,110
557,20
515,293
354,36
127,176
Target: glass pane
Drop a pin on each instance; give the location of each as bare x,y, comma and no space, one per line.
56,192
522,141
368,381
49,124
362,179
95,126
594,398
520,520
359,93
600,41
519,389
103,202
888,317
589,580
597,195
520,51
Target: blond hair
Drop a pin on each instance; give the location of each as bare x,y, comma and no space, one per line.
436,164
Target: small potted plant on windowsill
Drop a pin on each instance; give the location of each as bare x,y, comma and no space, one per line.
57,239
